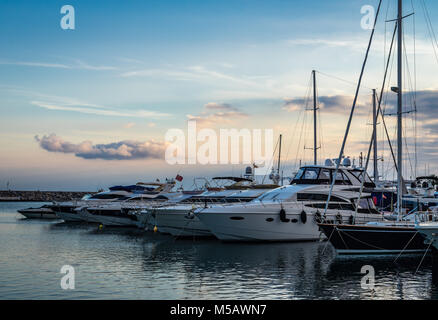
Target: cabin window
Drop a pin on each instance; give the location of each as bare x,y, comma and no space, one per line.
311,174
341,178
332,206
299,174
324,175
359,174
317,197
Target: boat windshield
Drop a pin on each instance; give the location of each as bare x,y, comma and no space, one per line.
366,205
280,194
315,175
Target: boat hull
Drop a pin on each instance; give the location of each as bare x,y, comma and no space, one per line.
180,222
273,222
366,239
254,227
69,216
49,215
115,219
430,232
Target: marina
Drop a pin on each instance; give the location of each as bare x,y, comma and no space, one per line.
270,189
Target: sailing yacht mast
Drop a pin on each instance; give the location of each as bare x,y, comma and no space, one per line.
376,172
279,158
315,108
400,109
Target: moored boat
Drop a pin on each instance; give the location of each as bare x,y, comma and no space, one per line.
43,212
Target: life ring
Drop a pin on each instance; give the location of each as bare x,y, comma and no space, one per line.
339,219
317,217
303,217
283,217
351,220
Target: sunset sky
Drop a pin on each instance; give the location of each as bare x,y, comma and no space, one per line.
88,108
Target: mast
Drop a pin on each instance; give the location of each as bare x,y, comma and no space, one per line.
279,154
315,108
376,171
400,108
279,158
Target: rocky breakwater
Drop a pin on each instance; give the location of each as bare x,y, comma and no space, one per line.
41,196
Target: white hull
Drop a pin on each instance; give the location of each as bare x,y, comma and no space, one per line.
259,223
110,220
430,232
180,221
86,216
147,220
69,217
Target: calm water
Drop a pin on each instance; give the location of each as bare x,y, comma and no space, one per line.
129,264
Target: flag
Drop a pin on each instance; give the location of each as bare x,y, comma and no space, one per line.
179,178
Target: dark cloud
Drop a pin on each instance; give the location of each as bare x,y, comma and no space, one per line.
328,104
123,150
218,113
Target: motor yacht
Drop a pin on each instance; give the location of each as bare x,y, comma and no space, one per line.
179,219
43,212
291,213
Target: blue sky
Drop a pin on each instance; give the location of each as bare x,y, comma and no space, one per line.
131,70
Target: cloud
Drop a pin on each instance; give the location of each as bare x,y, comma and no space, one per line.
79,64
224,107
123,150
218,113
97,110
339,104
359,44
129,125
192,73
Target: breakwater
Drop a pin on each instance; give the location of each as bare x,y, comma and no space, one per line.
41,196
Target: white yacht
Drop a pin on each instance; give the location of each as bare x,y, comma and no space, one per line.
126,212
291,213
179,219
43,212
68,210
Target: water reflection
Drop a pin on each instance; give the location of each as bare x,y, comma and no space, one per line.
130,264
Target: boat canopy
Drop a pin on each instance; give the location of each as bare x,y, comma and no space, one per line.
312,175
132,188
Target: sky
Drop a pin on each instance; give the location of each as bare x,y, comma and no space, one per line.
88,108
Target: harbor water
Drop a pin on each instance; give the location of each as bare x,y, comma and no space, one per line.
133,264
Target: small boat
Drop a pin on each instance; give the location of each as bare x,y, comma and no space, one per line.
44,212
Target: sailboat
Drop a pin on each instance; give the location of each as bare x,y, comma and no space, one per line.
381,237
